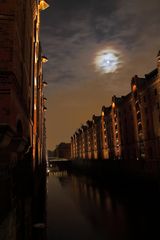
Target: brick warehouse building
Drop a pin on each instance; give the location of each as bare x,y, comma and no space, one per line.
21,81
22,117
129,129
62,150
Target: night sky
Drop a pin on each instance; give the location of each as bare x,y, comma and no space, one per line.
72,33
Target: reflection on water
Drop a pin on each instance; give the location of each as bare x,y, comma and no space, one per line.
79,208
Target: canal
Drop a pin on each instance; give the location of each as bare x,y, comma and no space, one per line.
81,208
72,205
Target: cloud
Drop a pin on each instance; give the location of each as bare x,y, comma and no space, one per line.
73,32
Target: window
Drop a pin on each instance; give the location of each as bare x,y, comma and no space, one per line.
135,94
150,152
138,116
139,127
148,133
137,107
155,91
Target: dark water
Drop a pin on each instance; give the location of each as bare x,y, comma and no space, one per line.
79,208
22,203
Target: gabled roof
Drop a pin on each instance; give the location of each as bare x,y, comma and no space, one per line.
96,118
158,55
152,75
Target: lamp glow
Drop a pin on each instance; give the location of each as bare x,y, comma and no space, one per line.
44,59
44,109
43,5
134,88
113,105
45,83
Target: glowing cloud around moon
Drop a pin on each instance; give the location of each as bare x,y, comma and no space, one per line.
107,61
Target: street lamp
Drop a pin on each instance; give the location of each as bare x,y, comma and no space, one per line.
44,59
44,109
44,99
45,83
43,5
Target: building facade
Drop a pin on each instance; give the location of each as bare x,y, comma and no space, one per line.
22,117
21,82
63,150
129,129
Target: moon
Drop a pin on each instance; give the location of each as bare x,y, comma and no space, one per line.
107,61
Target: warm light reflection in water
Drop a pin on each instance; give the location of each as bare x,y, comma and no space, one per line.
77,203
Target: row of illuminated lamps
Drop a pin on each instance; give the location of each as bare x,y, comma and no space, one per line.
44,60
44,5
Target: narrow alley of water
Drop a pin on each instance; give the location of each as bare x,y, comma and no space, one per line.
79,208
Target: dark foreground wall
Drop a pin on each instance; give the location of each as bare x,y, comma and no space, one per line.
22,202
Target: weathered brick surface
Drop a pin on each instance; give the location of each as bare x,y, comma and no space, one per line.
16,50
8,227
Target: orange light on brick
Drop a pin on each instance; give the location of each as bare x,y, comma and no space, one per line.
113,105
134,88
